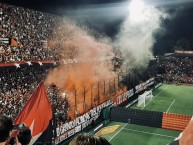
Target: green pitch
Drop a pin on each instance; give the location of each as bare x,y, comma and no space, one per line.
130,134
167,98
171,98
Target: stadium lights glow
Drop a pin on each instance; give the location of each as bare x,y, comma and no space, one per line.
136,10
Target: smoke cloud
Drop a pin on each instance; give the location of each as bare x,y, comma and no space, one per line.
78,43
135,41
136,37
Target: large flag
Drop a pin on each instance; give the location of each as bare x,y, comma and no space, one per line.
37,113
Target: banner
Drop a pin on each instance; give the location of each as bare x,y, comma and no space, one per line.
144,85
129,93
80,123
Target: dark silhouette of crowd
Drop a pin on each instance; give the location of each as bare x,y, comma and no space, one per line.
24,135
7,127
85,139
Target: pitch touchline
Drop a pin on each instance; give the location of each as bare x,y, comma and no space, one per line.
186,94
150,133
154,97
166,98
170,105
117,132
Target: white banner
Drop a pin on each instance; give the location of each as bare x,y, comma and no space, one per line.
70,128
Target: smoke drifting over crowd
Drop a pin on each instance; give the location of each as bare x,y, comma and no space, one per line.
78,43
135,39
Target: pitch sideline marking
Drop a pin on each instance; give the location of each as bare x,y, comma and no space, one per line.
170,105
166,98
117,132
185,93
154,97
150,133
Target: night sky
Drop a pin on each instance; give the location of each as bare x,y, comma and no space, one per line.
93,14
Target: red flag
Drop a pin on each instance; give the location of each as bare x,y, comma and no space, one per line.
37,113
14,42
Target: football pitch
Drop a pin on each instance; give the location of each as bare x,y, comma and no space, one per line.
169,98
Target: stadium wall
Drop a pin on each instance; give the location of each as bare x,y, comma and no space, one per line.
96,116
136,116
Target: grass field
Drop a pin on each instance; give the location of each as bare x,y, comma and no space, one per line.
167,98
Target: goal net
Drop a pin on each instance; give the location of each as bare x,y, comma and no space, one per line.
144,98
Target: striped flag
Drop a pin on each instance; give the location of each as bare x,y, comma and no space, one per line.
5,40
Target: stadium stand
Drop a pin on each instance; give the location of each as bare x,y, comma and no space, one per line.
22,41
17,86
175,121
174,69
24,34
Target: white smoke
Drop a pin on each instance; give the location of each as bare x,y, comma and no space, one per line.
135,39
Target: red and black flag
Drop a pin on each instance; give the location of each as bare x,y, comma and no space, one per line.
37,113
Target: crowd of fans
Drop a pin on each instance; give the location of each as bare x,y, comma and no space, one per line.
24,37
175,69
29,30
28,33
17,86
23,135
